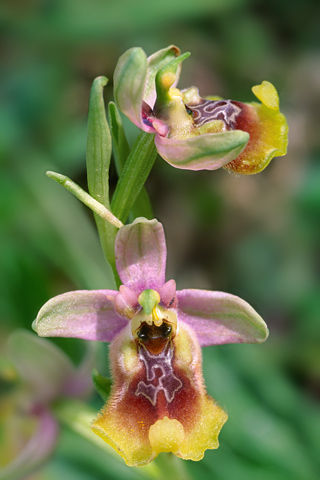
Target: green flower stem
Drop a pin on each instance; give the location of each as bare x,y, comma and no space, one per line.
78,416
142,206
134,174
85,198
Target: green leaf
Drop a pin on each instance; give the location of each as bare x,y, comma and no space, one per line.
85,198
9,377
98,162
101,384
135,172
142,206
120,145
98,145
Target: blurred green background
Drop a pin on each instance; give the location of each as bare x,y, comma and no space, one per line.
256,237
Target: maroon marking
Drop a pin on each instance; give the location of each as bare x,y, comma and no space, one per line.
166,381
225,110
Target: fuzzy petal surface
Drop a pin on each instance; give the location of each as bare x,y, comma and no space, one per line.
141,255
218,318
158,402
87,314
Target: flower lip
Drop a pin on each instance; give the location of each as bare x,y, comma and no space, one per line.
209,110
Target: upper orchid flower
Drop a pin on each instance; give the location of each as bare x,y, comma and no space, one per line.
158,401
195,133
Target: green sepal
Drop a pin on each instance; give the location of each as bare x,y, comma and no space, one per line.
85,198
101,384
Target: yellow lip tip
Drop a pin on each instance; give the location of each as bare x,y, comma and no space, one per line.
267,94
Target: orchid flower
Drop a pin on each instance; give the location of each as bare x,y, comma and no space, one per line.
158,402
197,133
44,374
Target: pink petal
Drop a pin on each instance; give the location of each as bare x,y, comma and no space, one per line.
141,255
36,451
218,318
87,314
134,83
126,302
168,294
129,83
208,151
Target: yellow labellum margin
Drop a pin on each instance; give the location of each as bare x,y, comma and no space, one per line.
145,415
268,130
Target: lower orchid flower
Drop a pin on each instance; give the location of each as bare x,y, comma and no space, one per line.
42,374
197,133
158,402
